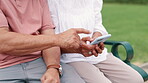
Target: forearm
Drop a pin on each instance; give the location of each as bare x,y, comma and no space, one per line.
52,55
20,44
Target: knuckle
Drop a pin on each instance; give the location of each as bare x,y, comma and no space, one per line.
56,81
42,79
73,33
100,51
51,80
74,38
73,29
85,55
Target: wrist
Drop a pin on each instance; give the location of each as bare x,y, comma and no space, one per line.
56,40
52,39
57,67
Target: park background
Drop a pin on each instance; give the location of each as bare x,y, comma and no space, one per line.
127,20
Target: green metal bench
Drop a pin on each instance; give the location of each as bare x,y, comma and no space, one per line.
129,55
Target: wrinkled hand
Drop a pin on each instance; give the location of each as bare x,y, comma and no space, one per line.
86,49
98,47
89,50
70,40
51,76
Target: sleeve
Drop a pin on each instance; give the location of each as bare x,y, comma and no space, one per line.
3,20
54,14
46,20
98,17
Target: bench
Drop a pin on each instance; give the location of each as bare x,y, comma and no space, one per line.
129,55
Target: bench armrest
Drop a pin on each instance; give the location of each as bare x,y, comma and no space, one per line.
129,55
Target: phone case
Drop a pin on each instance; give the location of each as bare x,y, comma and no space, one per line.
100,39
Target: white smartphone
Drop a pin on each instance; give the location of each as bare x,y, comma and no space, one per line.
100,39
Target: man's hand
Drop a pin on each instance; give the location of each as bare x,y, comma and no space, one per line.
69,41
51,76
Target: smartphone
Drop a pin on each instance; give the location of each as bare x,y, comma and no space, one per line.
100,39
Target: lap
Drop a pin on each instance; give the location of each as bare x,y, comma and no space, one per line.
90,73
113,65
70,75
117,71
23,73
112,70
33,71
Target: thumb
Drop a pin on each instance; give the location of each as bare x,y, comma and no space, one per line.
43,79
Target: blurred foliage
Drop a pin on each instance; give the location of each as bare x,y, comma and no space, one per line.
128,1
128,22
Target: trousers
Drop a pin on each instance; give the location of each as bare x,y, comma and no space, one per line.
31,72
112,70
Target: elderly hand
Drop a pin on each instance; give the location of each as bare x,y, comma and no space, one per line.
100,47
89,50
86,49
51,76
70,40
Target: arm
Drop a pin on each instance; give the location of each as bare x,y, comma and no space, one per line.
13,43
99,29
98,17
17,44
51,56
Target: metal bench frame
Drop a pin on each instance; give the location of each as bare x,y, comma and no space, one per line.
129,55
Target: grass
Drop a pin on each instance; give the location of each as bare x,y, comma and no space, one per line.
128,22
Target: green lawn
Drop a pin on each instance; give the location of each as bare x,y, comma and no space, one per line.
128,22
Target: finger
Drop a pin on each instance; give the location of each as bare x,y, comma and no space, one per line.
86,39
96,34
98,49
43,79
94,37
81,30
101,45
95,53
48,81
59,81
86,53
86,46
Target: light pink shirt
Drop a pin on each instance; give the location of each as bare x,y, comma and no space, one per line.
26,17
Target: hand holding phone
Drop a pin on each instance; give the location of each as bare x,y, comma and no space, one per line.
100,39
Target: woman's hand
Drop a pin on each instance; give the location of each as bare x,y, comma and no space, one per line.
89,50
98,47
86,49
51,76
